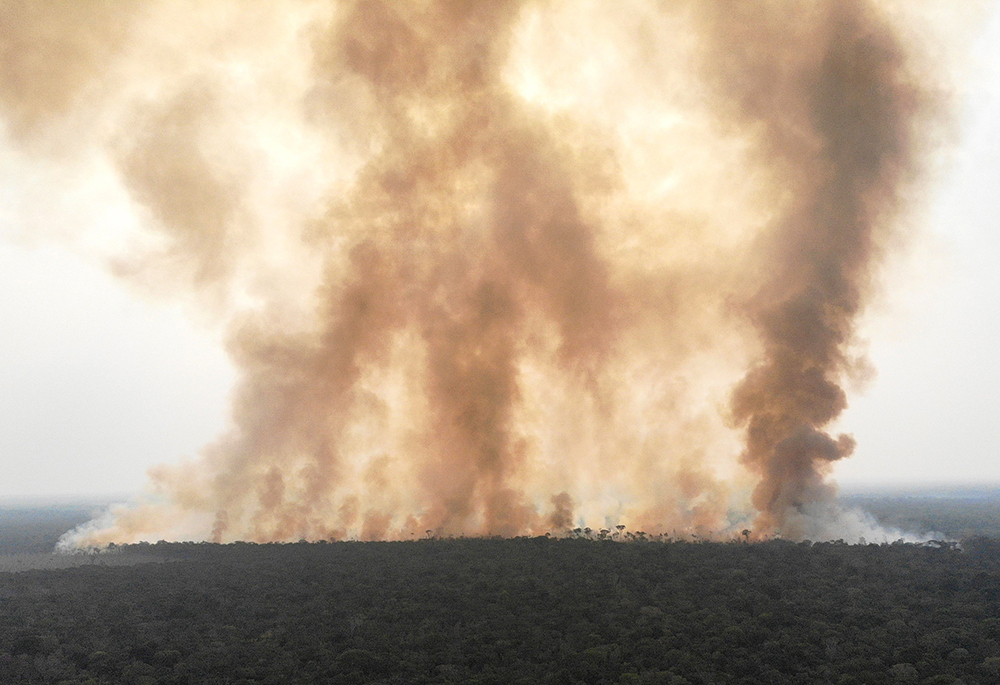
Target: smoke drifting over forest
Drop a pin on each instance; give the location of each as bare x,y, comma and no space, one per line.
495,267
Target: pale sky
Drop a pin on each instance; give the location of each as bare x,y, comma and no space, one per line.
98,384
933,412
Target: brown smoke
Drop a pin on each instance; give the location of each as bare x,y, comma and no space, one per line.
845,136
497,267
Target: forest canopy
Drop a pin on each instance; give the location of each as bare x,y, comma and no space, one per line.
528,610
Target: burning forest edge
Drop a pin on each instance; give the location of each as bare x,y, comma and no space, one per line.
879,535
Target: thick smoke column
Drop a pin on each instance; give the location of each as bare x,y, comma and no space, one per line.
494,267
846,135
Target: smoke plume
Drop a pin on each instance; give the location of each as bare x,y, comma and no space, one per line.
495,268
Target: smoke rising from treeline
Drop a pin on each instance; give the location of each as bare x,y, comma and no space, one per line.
496,267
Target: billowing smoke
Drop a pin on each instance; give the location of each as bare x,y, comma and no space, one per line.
845,133
494,267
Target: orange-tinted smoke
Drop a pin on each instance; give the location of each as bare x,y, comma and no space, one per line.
842,123
462,290
553,243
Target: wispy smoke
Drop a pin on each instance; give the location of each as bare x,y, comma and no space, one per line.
495,267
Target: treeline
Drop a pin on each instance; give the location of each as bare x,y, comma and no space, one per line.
527,610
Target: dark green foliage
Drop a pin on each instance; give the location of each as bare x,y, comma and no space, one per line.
507,611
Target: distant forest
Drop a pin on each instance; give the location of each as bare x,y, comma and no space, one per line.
955,512
524,610
35,529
